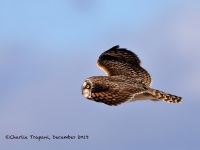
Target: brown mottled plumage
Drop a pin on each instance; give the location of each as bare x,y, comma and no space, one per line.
126,80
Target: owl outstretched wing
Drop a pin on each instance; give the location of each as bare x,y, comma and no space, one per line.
115,90
113,97
120,61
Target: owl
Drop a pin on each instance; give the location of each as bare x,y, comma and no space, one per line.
126,80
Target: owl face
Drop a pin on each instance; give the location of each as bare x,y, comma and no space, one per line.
86,89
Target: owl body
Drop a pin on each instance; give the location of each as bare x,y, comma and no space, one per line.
126,80
112,90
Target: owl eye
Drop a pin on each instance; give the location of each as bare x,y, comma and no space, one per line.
87,86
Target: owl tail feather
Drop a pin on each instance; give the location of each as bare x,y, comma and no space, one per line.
165,96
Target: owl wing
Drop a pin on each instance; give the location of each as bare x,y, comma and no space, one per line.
118,95
120,61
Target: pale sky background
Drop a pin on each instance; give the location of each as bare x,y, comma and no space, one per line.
49,47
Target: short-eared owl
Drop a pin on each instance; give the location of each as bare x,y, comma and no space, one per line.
126,80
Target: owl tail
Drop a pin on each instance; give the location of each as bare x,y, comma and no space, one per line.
165,96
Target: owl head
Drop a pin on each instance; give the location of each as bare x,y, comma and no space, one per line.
103,89
94,86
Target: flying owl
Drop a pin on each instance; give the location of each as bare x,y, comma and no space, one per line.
126,80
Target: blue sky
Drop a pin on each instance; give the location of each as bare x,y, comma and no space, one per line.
48,49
